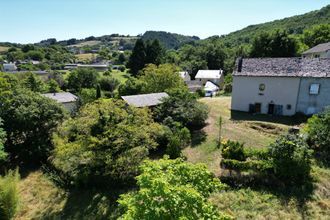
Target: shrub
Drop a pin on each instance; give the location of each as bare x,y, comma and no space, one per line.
291,159
233,150
105,143
108,83
82,78
172,189
318,131
182,107
3,154
8,195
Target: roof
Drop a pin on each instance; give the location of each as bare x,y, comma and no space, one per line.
145,100
61,97
319,48
210,86
208,74
183,74
38,72
284,67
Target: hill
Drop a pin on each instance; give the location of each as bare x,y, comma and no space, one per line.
169,40
294,25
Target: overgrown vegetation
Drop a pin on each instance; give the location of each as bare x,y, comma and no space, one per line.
9,195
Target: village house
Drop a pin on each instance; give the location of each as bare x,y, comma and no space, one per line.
8,67
67,99
211,89
215,76
145,100
97,67
319,51
185,76
281,86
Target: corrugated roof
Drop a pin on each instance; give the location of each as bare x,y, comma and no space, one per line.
145,100
319,48
208,74
284,67
61,97
210,86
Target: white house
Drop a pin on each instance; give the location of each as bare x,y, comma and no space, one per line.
185,76
281,86
67,99
215,76
211,89
8,67
319,51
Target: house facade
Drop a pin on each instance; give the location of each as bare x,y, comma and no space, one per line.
281,86
8,67
319,51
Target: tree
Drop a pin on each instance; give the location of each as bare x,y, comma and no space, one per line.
82,78
276,44
161,78
108,83
132,86
317,34
172,189
3,153
98,91
53,86
182,107
137,59
291,159
318,130
104,143
154,52
34,83
29,120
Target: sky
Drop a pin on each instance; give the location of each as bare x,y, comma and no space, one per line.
29,21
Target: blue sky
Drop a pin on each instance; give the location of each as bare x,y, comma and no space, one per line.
28,21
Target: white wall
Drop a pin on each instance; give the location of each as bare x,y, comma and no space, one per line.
279,90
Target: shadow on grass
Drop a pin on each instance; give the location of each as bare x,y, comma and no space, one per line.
286,120
198,137
265,183
89,204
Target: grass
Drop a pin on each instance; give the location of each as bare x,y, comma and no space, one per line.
85,57
3,49
86,43
257,133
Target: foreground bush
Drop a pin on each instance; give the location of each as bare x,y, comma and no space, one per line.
105,143
172,189
3,154
318,131
8,195
291,159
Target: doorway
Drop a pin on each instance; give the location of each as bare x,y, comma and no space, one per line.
271,108
257,107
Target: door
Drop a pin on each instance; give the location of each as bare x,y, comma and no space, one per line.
257,107
271,108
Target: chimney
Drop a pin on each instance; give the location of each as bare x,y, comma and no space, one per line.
240,64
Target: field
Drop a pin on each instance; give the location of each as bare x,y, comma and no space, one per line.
86,43
86,57
3,49
41,198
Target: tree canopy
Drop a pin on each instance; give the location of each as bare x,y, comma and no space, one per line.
105,143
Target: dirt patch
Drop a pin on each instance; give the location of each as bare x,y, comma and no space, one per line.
266,128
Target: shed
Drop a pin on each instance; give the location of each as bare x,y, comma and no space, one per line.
67,99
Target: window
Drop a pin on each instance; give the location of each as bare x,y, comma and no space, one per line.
262,87
314,89
288,107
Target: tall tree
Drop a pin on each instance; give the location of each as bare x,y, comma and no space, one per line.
154,52
137,59
82,78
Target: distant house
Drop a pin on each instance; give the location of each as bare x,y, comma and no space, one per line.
211,89
185,76
194,85
145,100
8,67
98,67
281,86
319,51
67,99
215,76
